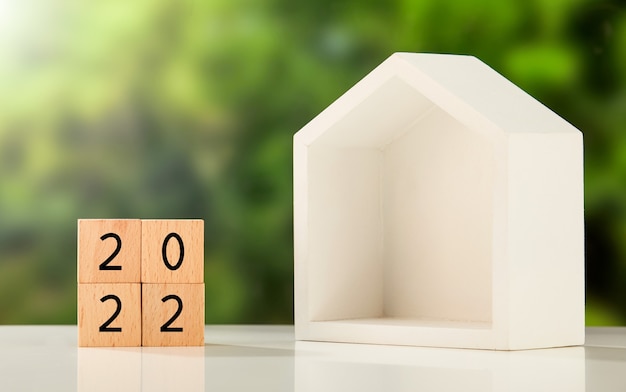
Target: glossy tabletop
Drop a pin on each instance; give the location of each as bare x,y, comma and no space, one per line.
266,358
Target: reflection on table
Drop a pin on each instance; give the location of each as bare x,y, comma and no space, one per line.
266,358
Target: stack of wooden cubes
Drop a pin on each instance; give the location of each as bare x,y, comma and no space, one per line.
140,282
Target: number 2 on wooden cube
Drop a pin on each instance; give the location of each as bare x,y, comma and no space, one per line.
173,314
109,250
109,314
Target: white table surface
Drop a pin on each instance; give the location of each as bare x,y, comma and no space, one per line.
266,358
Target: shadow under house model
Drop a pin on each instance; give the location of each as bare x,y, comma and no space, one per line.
437,204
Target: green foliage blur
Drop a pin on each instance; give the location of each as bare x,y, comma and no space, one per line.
186,109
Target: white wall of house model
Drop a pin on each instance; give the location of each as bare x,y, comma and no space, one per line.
437,204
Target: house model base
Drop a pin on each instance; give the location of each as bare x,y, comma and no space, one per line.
437,204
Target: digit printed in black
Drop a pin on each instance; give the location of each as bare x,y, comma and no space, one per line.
105,264
105,327
166,327
181,254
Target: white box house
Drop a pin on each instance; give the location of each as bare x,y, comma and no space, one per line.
437,204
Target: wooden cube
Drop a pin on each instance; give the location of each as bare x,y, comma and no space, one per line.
173,314
172,251
109,314
109,250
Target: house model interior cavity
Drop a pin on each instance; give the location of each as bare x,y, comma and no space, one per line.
437,204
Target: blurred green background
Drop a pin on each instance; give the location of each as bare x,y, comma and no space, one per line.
186,109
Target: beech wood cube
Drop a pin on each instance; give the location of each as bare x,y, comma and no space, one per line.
172,251
122,262
173,314
109,314
109,250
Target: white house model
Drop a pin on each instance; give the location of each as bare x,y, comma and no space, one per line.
437,204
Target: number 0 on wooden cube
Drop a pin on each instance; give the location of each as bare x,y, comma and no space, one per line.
172,251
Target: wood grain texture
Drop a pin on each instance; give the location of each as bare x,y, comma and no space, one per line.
93,312
93,250
158,235
159,307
